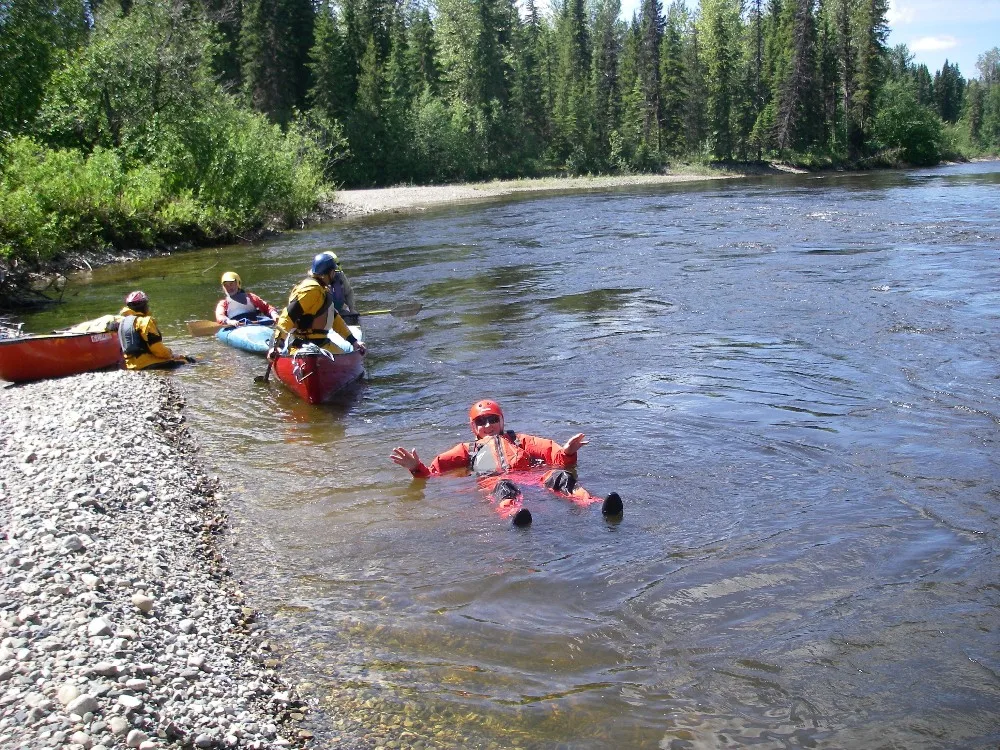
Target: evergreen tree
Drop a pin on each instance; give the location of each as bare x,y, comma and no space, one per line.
628,147
923,85
829,80
529,87
872,30
695,121
572,115
423,50
754,81
796,84
673,78
949,88
648,68
605,74
333,86
975,103
227,17
721,39
276,40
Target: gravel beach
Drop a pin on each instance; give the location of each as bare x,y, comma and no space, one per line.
348,203
120,624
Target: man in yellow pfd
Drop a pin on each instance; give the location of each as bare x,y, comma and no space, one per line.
311,312
140,338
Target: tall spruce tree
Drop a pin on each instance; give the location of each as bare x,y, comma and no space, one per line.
949,88
648,66
796,84
721,32
605,73
871,30
829,79
673,78
333,85
275,43
572,115
695,119
529,84
754,81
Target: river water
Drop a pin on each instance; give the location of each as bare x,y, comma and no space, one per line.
793,383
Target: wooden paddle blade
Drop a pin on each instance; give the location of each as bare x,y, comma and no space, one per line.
204,327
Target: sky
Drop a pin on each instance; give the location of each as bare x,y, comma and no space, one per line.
935,30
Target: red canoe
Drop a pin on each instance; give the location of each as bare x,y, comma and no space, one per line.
53,356
317,374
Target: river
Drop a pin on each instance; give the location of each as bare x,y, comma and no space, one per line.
793,383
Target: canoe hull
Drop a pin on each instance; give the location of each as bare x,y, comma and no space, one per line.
254,339
58,355
317,377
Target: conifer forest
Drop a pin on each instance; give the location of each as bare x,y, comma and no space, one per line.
127,123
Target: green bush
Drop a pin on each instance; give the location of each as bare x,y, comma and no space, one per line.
137,144
904,125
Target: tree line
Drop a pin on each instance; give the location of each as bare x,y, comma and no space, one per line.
131,122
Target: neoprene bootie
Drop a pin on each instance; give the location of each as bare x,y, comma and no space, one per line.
612,505
522,517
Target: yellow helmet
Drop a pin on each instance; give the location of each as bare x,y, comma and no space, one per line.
232,276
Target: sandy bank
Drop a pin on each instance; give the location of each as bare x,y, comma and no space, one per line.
414,198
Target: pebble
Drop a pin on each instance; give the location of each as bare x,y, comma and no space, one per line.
120,625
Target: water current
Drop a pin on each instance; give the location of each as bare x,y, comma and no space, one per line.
793,383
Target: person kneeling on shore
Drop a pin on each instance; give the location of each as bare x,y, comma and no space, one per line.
496,453
311,313
241,307
140,337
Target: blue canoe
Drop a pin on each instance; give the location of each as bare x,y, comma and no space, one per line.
249,338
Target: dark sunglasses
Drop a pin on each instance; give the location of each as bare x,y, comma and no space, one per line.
486,419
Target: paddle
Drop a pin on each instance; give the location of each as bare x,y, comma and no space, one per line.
267,373
406,310
205,327
210,327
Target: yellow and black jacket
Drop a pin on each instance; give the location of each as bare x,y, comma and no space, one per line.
310,314
141,341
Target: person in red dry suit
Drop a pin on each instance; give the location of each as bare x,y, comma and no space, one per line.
496,453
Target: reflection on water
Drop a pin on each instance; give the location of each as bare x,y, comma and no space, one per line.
792,383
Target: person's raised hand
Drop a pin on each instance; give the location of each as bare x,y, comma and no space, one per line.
575,443
409,460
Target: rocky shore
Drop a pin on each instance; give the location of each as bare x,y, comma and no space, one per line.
120,623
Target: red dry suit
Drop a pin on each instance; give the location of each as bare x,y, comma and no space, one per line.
492,458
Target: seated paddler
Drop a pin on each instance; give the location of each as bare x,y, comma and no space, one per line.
311,314
242,307
140,338
343,293
498,456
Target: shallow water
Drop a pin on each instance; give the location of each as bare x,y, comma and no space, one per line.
792,382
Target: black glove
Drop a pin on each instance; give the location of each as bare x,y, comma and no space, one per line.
189,359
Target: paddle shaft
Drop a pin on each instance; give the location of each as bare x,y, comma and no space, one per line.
267,373
400,311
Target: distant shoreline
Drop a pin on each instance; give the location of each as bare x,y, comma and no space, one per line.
355,203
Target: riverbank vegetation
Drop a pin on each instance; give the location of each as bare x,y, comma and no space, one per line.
133,123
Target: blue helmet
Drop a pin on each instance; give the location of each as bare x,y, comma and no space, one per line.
323,263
